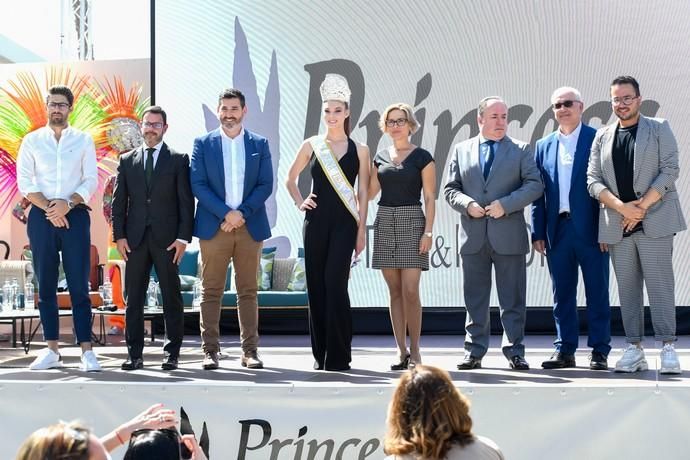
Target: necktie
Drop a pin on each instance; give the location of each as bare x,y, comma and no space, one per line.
488,157
148,169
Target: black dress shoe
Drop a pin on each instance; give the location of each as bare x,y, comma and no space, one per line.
598,361
470,362
169,363
318,366
402,365
132,364
518,363
559,360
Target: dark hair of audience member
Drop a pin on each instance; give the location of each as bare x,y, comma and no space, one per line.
154,444
427,415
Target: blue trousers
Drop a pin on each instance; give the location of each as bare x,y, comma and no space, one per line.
47,242
569,252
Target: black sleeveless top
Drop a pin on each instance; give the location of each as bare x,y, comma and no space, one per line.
327,199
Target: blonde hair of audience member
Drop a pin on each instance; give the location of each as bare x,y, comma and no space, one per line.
427,415
61,441
71,440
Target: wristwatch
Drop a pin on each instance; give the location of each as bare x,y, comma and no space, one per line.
70,204
429,234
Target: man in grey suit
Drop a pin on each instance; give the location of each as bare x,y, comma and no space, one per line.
633,168
491,179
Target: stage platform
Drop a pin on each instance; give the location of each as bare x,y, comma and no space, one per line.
288,410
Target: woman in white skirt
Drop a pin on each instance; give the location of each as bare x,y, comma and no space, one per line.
402,231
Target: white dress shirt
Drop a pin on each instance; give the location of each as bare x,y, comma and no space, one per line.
57,169
567,144
233,167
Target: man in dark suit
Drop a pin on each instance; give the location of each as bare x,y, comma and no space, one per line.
232,178
491,179
565,228
153,215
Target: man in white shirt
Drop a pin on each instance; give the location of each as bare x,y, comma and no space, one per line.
565,228
57,172
232,177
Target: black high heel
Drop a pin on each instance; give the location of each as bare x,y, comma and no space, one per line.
402,365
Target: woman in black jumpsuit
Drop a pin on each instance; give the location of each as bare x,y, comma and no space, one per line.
331,234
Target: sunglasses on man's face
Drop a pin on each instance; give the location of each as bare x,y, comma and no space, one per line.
566,104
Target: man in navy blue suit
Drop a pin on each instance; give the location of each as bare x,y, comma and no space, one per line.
232,178
565,228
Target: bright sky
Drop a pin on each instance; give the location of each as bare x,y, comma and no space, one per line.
120,28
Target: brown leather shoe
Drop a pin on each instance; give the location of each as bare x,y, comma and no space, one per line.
210,361
251,360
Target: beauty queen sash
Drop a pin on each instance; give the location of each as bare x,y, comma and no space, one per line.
335,175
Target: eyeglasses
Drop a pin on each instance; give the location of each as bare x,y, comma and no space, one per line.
155,125
57,105
566,104
400,122
625,100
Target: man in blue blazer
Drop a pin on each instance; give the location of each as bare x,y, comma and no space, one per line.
231,176
565,228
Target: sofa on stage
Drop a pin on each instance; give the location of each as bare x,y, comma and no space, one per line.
282,280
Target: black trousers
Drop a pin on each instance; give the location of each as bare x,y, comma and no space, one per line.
328,247
150,253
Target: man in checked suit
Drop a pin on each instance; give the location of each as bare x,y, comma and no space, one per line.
232,178
491,179
632,171
565,225
153,217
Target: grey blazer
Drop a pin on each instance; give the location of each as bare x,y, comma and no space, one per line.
655,166
514,181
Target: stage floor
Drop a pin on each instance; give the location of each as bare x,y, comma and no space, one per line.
288,361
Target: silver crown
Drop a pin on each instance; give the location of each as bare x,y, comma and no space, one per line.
335,88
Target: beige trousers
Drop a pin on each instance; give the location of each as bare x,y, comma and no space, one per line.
216,254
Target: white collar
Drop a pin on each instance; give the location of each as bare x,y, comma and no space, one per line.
238,138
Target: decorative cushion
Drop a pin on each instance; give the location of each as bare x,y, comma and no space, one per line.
229,280
190,263
187,282
263,275
298,280
62,279
282,272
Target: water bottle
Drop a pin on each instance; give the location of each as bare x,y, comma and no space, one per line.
196,301
152,295
107,293
7,296
29,296
15,294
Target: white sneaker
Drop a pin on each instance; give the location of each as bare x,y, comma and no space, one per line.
669,360
632,360
46,359
89,362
